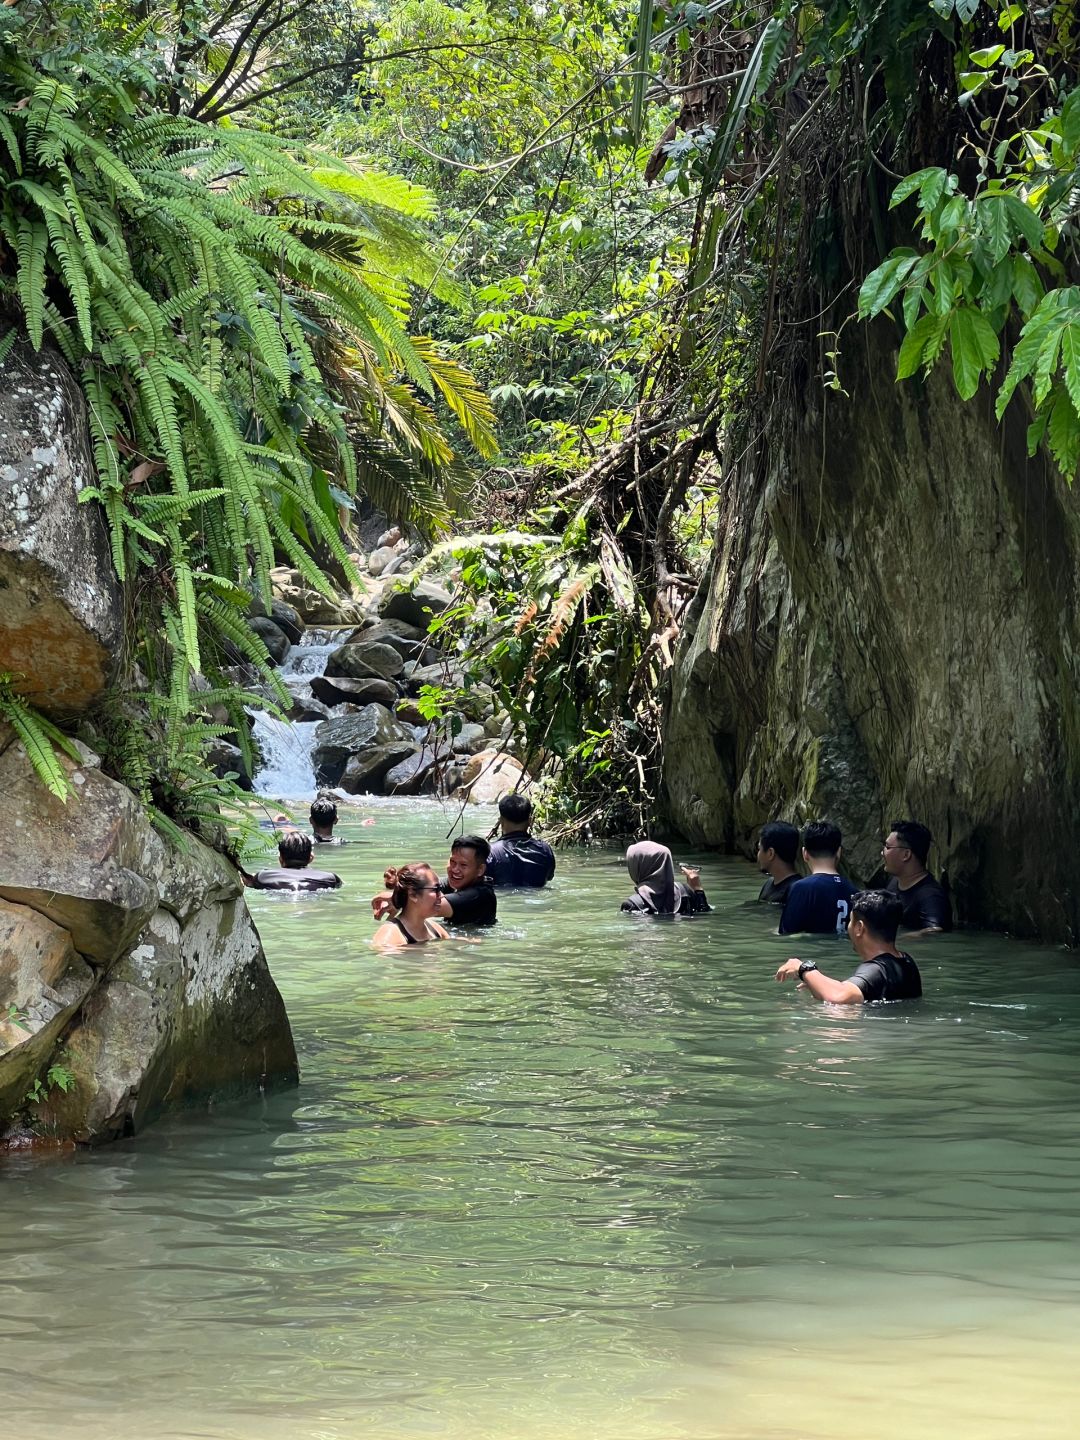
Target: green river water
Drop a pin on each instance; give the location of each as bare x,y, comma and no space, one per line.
591,1179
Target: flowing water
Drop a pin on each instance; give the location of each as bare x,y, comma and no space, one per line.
593,1178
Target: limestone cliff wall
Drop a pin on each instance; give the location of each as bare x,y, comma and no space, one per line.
890,628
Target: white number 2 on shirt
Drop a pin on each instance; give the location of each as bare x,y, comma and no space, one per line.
841,916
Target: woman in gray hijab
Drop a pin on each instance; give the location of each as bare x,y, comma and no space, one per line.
656,891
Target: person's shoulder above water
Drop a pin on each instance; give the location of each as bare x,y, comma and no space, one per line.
888,977
520,859
775,892
817,905
474,904
329,840
926,904
281,878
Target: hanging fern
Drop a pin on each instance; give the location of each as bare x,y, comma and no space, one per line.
236,309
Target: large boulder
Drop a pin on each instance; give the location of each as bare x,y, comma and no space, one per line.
61,615
42,983
313,608
408,640
272,636
182,1005
415,775
488,776
337,740
415,604
365,659
364,774
340,690
83,864
890,628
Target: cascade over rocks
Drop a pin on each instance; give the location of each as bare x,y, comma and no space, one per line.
890,628
60,611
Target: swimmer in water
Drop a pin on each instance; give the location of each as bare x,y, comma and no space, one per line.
415,895
294,872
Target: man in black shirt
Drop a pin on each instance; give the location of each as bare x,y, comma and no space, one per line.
467,896
926,905
778,845
295,873
323,816
519,858
883,972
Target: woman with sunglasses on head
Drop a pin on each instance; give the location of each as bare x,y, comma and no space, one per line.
415,896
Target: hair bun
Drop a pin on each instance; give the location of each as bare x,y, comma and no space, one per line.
390,875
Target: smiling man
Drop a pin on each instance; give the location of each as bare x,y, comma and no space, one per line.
466,896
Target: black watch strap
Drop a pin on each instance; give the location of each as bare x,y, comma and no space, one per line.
805,966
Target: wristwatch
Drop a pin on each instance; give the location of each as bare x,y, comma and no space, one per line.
805,966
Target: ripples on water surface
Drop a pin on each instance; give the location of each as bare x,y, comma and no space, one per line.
594,1177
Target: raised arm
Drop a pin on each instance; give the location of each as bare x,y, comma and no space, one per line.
822,987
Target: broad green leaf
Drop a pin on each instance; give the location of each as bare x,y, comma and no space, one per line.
1070,121
927,333
882,284
972,81
1064,434
1070,363
1026,285
988,56
974,348
965,9
993,224
1024,221
930,184
1009,16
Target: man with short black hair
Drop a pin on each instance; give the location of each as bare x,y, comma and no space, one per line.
323,816
778,845
519,858
295,872
467,896
883,972
819,904
926,909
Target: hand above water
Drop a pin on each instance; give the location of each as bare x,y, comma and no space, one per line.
789,967
693,876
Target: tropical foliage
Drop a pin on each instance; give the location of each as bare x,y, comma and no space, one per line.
237,310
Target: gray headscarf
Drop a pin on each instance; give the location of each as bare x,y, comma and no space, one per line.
653,875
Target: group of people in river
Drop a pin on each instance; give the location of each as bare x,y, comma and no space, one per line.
416,901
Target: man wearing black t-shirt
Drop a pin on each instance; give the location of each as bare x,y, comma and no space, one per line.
926,906
883,971
778,845
517,857
467,897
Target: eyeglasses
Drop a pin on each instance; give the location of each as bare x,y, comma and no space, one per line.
887,846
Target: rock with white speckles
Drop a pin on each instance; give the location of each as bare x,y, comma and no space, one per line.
60,610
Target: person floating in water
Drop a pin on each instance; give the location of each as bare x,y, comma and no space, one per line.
519,858
883,972
415,895
323,817
467,897
294,856
778,845
926,905
656,891
819,904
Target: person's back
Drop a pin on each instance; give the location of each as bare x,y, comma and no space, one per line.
819,904
888,977
518,858
294,871
521,859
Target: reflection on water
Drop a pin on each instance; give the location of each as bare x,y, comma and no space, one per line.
595,1177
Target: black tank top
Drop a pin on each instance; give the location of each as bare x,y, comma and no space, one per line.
409,939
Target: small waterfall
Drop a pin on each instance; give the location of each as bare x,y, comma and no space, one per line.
285,746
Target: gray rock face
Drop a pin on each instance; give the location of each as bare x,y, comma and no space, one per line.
408,640
340,690
337,740
379,559
416,604
470,739
365,773
415,775
140,959
272,636
890,628
60,607
365,660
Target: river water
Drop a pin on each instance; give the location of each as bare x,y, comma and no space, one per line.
591,1179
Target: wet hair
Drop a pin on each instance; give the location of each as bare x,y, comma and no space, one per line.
294,849
821,838
476,843
516,808
917,838
406,880
323,811
778,835
880,911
